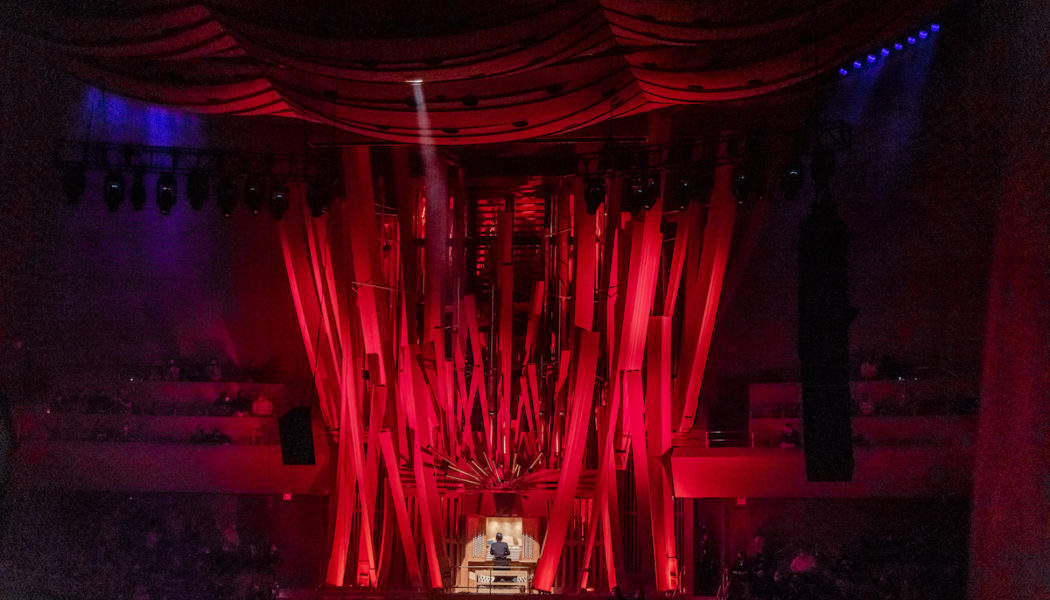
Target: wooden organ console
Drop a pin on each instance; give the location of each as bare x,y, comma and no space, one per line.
479,574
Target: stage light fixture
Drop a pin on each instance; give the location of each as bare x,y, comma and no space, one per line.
643,191
694,185
278,201
686,189
791,179
165,192
74,182
254,194
138,190
594,193
113,190
651,189
318,197
743,183
197,189
632,200
226,194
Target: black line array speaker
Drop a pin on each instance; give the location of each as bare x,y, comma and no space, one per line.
824,317
297,438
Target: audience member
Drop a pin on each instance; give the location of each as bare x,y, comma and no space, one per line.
200,436
758,543
262,406
789,437
869,369
250,373
740,577
762,568
218,437
213,372
803,563
173,373
231,538
242,406
223,405
124,405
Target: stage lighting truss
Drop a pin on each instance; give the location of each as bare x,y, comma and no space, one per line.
881,53
691,156
231,170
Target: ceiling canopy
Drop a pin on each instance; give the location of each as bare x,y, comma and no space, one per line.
488,71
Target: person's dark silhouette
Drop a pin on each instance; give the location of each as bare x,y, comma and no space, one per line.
500,551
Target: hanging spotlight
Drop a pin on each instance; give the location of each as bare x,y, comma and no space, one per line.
254,197
138,190
651,190
74,182
684,190
278,201
594,193
226,193
113,190
791,179
744,183
643,191
632,200
318,197
165,192
197,189
694,185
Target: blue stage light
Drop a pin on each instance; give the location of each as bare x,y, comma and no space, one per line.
898,46
885,52
843,71
856,64
923,34
911,40
935,27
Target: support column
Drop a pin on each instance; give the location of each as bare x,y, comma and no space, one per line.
1010,543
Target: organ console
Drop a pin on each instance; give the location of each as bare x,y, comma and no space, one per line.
480,572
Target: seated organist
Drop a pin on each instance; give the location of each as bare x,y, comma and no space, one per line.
500,552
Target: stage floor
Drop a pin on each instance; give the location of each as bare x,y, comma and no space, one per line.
362,594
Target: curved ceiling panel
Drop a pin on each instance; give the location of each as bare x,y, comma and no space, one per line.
490,71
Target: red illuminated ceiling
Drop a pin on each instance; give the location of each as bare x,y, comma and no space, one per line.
491,71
